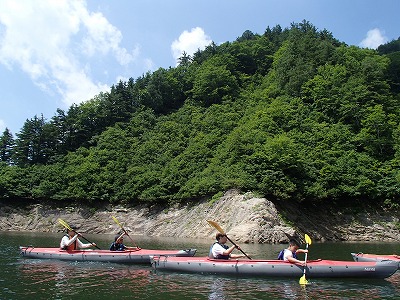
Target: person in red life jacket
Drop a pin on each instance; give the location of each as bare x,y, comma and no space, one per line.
70,241
290,253
118,244
221,251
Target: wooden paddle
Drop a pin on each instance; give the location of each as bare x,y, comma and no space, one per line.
303,279
216,226
123,229
63,223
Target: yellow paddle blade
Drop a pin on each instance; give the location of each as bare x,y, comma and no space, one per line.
216,226
116,221
303,280
308,239
63,223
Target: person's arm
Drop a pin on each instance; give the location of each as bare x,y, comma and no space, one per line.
132,248
237,255
228,251
288,256
293,260
217,249
83,246
301,251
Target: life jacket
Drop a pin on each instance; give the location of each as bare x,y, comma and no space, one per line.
117,247
220,256
73,246
282,253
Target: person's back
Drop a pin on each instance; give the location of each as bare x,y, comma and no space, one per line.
290,253
221,251
217,253
281,253
68,242
287,253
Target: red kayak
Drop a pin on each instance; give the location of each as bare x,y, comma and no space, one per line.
129,256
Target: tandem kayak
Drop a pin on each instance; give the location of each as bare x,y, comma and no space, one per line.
276,268
375,257
128,256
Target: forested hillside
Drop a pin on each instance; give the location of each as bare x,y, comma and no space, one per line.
292,114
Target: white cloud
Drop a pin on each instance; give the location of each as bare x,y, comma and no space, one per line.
121,78
190,42
52,41
104,38
374,39
149,64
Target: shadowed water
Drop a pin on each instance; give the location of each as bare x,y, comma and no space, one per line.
52,279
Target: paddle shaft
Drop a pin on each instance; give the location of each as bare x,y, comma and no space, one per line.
216,226
126,233
305,261
123,229
237,247
65,224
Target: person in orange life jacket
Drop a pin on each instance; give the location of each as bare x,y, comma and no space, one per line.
118,245
290,253
220,250
70,241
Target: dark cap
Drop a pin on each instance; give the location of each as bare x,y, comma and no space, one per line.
72,227
219,235
294,242
118,236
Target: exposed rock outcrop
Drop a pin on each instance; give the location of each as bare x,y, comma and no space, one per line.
246,218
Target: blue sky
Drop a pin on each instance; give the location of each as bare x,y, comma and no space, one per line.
57,52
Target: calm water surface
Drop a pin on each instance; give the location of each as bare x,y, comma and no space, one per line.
51,279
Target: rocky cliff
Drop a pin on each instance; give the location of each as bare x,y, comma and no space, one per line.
246,218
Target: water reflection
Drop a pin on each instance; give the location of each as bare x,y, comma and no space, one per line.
59,279
42,279
213,287
217,290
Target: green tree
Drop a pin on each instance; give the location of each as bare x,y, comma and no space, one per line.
393,73
32,145
292,114
376,133
390,47
7,145
213,82
300,55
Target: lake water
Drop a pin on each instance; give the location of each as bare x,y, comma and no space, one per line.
51,279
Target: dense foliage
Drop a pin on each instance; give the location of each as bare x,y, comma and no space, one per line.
292,114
